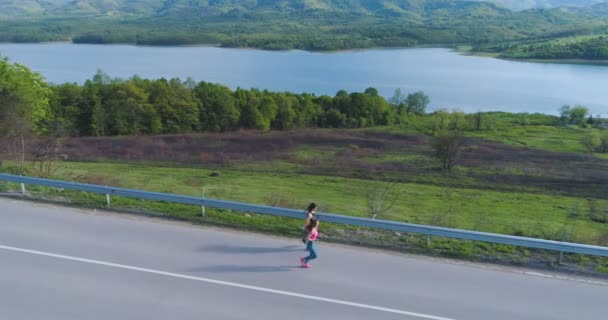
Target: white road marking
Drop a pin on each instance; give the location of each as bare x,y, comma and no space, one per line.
225,283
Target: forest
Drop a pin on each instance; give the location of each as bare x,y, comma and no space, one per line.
319,25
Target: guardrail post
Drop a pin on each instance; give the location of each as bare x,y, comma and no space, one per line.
107,199
22,188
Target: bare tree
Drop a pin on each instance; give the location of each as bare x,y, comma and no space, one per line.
17,133
381,197
447,147
46,152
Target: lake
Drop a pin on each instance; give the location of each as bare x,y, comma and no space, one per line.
452,80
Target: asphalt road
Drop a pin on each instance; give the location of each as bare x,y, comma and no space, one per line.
63,263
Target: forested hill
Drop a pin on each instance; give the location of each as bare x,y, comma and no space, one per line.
229,8
286,24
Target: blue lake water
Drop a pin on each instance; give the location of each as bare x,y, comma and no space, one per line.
451,80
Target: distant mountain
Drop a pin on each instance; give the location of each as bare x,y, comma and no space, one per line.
598,10
29,8
413,8
107,7
545,4
75,8
15,8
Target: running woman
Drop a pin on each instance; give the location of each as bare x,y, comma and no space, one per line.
310,214
313,235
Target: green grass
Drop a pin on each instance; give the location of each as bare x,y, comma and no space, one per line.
550,138
516,213
509,213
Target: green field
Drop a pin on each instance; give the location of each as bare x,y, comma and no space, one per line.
501,212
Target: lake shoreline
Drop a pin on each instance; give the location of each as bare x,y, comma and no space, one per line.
460,49
468,52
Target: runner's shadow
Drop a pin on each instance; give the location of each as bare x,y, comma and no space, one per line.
233,268
248,250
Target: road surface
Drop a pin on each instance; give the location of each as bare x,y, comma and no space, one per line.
64,263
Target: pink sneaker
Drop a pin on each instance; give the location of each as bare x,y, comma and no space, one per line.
302,262
306,266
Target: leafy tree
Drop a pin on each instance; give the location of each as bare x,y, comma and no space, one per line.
285,113
591,140
308,113
417,102
218,106
578,114
604,141
24,99
335,119
268,109
564,114
64,107
88,105
399,101
24,106
175,105
250,117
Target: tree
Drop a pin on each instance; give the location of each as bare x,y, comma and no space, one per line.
447,147
219,111
578,115
334,118
24,105
443,121
591,141
564,114
176,106
286,113
417,102
64,108
268,109
398,100
381,198
308,112
46,151
478,119
604,142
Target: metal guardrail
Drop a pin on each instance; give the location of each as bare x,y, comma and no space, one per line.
327,217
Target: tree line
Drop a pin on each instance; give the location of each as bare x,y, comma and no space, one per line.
589,48
104,107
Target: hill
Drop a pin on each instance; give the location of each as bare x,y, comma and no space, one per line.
286,24
574,48
597,10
